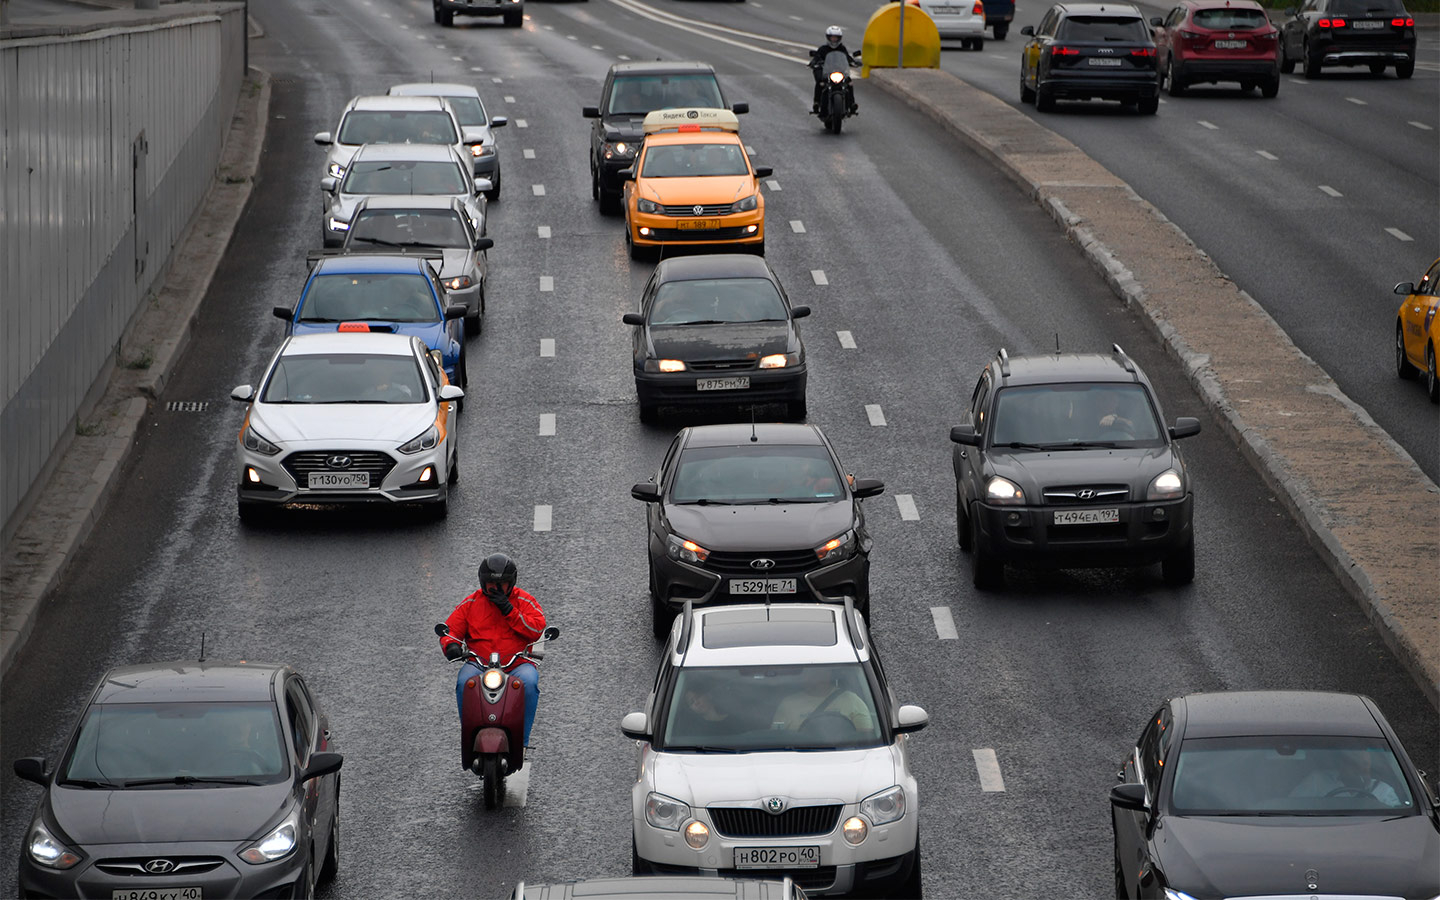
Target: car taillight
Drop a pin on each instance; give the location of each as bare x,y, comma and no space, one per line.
1191,35
1143,51
1331,23
1267,35
1403,23
979,9
1064,51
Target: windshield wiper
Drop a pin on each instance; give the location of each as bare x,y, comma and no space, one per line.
1080,445
799,500
189,779
699,748
87,783
318,319
373,240
1021,445
706,501
799,749
700,322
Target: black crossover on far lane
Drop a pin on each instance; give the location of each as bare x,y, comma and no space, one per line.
750,512
188,780
1293,794
1370,33
1090,51
717,330
1064,462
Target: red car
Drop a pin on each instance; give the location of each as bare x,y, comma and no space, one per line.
1217,40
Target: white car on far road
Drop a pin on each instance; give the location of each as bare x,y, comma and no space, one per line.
958,20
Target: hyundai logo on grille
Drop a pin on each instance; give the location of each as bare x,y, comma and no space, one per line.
159,867
1085,494
338,462
697,209
775,805
762,563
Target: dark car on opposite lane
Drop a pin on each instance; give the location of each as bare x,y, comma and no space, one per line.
1089,51
717,330
1371,33
1280,794
1205,41
749,511
188,780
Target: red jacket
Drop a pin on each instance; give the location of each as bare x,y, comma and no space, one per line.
485,630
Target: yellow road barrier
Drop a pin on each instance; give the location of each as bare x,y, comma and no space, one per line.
882,39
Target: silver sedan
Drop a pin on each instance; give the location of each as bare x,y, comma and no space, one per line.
476,124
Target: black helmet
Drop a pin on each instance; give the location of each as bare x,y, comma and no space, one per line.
497,575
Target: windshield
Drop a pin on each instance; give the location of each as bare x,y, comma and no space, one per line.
120,743
1225,18
1302,775
384,297
637,95
410,228
758,708
690,160
717,300
404,177
397,126
759,474
345,378
1058,415
1103,28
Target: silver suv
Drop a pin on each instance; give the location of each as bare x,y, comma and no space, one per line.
771,744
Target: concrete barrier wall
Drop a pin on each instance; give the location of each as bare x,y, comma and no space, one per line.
112,130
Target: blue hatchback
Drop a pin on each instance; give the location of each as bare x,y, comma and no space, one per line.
368,292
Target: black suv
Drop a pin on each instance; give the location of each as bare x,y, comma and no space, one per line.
1374,33
632,90
1064,463
1084,51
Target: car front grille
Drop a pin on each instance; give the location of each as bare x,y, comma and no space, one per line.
1087,493
700,237
786,563
1088,534
301,464
797,821
714,209
177,865
721,365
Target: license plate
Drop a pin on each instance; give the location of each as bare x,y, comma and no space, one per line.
1364,24
1231,45
339,481
762,586
697,224
1086,516
1098,61
722,384
777,857
169,893
947,10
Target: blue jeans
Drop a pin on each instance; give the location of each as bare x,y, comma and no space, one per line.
529,677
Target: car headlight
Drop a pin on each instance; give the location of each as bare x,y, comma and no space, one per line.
779,360
458,283
253,441
837,77
665,812
746,204
492,679
423,441
482,150
1167,486
647,206
885,807
45,849
278,843
836,549
685,551
854,830
337,225
335,170
697,834
620,149
1172,894
664,365
1003,490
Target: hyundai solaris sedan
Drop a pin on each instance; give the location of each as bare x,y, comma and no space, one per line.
348,418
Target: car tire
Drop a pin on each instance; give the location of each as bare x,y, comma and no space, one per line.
1174,81
912,888
1148,106
452,472
661,618
649,413
435,8
1405,69
758,249
447,18
638,866
1312,62
1432,381
978,44
986,572
1287,65
1001,31
1120,893
594,182
514,19
440,509
1377,68
252,513
964,538
1403,368
609,202
1179,567
1270,87
330,866
1026,95
494,193
1044,100
797,410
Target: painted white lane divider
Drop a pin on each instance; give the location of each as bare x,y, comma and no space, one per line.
818,275
989,768
773,185
1331,191
749,150
497,79
571,37
596,47
1420,125
509,98
1267,154
543,516
547,424
797,226
906,503
623,56
875,415
847,340
457,59
1357,101
543,231
1399,235
547,346
944,623
477,68
538,189
547,283
521,123
1210,125
528,153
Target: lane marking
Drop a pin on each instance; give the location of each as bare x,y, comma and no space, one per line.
457,59
1420,125
477,68
944,623
547,346
1357,101
797,18
497,79
1267,154
543,231
528,153
547,283
749,150
521,123
797,226
1210,125
847,340
1399,235
547,424
875,415
714,33
596,47
906,503
571,37
818,275
989,769
543,516
509,98
1331,191
773,185
538,189
623,56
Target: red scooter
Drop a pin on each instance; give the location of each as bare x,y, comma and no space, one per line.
492,719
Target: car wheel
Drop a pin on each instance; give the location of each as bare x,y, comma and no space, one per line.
440,509
473,322
514,19
1001,31
1173,82
1120,893
1312,62
609,202
1432,383
436,8
494,193
1026,95
1403,368
1405,69
1179,567
305,885
661,618
1377,68
986,572
1270,87
912,887
1148,106
638,866
1044,100
446,18
978,45
330,867
963,536
1287,65
758,249
649,413
797,410
452,472
594,182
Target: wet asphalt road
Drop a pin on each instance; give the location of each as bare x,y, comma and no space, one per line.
931,261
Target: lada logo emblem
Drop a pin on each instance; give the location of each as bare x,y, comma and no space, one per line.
692,114
762,563
339,462
697,209
775,805
159,867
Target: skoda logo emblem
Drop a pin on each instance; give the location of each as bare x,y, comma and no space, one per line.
762,563
339,461
1086,494
697,209
159,867
775,805
692,114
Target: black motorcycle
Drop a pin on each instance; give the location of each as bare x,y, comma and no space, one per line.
837,95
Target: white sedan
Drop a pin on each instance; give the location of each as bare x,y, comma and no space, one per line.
962,20
345,418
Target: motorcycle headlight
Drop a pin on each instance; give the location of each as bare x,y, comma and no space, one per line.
885,807
685,551
45,849
492,679
459,283
746,204
620,149
779,360
647,206
335,170
253,441
1168,485
1003,490
338,225
837,77
278,843
836,549
426,440
665,812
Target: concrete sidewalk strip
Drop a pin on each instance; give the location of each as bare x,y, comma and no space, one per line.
1365,505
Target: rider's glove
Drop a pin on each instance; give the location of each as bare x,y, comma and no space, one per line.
454,650
501,603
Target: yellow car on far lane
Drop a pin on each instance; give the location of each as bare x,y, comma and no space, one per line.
1415,330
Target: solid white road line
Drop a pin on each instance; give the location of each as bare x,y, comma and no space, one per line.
906,503
1267,154
797,226
773,185
543,516
1399,235
1210,125
521,123
528,153
749,150
875,414
989,768
538,190
547,424
681,23
1420,125
497,79
509,98
547,283
1357,101
1331,191
547,346
944,623
847,340
543,231
818,276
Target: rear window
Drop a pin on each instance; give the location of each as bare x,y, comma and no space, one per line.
398,176
1103,28
377,296
373,126
1362,7
1227,19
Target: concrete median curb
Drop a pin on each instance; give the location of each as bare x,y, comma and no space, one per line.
1364,504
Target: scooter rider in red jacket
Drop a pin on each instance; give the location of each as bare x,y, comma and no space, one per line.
498,618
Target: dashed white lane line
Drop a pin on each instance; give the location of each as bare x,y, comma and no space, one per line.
1357,101
1210,125
547,424
543,231
528,153
521,123
571,37
547,283
944,623
773,185
457,59
875,414
847,340
818,275
509,98
623,56
538,190
596,47
547,346
477,68
797,18
797,226
1420,125
906,503
1266,154
497,79
543,516
989,769
1298,81
1331,191
749,150
1399,235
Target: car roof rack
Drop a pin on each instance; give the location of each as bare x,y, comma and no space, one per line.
1124,360
1004,362
687,621
519,890
691,119
857,640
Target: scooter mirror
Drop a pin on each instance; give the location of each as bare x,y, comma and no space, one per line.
442,629
551,633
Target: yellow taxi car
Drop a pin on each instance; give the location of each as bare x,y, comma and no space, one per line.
692,183
1415,330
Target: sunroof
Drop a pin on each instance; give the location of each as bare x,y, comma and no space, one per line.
771,626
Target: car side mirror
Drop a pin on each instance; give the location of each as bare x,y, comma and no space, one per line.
800,312
636,726
627,174
910,719
244,393
455,311
867,487
1156,21
1128,796
647,491
1405,288
764,171
499,121
483,184
32,768
324,139
965,434
451,392
484,243
590,112
323,763
283,312
329,183
633,319
1184,427
1028,30
740,109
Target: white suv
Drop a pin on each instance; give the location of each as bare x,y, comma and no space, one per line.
771,743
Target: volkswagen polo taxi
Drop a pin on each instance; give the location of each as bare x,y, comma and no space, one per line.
692,183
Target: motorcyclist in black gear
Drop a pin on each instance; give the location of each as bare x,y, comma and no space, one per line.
833,42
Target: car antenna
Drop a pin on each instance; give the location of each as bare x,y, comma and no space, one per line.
753,437
202,646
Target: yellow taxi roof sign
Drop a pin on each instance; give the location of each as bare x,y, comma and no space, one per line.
691,119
